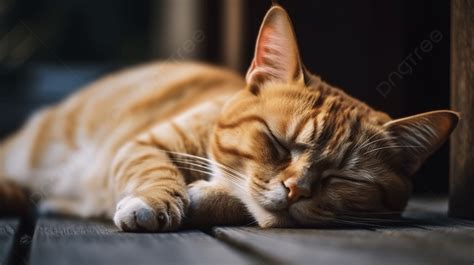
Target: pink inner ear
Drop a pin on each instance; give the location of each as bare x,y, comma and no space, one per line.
276,55
262,47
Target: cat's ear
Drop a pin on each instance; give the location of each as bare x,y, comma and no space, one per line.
420,135
276,56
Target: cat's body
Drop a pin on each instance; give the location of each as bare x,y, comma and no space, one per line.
156,143
65,152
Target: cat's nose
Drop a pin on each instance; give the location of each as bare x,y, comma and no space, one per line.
297,189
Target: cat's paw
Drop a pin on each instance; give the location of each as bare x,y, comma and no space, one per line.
197,192
134,214
205,204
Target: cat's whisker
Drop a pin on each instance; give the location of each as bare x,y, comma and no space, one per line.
197,164
229,178
230,174
205,166
372,137
393,146
369,219
382,213
205,172
342,221
211,162
375,141
193,163
205,160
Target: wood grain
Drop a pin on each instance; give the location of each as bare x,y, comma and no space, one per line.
59,241
462,100
425,236
8,229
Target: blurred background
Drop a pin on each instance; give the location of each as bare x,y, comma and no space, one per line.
393,54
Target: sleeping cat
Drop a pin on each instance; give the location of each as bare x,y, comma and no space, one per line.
163,144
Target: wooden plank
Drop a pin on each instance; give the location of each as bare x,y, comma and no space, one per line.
433,211
8,231
426,238
311,246
431,214
462,100
63,241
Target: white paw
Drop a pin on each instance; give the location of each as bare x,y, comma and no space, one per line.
196,190
133,214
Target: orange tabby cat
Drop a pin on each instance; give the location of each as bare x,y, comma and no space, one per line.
161,144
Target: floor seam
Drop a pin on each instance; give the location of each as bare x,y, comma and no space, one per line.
243,249
22,242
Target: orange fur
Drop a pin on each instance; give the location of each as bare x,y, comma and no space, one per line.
159,143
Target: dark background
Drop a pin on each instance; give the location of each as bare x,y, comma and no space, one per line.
49,48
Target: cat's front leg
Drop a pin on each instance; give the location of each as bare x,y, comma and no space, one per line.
152,191
211,203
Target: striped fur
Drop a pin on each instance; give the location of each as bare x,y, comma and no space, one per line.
166,143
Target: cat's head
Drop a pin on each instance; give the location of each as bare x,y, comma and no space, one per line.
299,152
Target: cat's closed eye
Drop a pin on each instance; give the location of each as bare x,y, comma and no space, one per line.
286,148
277,151
338,180
279,144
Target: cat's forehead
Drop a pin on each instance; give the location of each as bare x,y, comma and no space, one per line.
301,110
287,102
289,92
303,114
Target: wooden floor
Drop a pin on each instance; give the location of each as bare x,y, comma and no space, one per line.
424,236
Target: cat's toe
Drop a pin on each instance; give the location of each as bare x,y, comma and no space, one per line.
134,215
